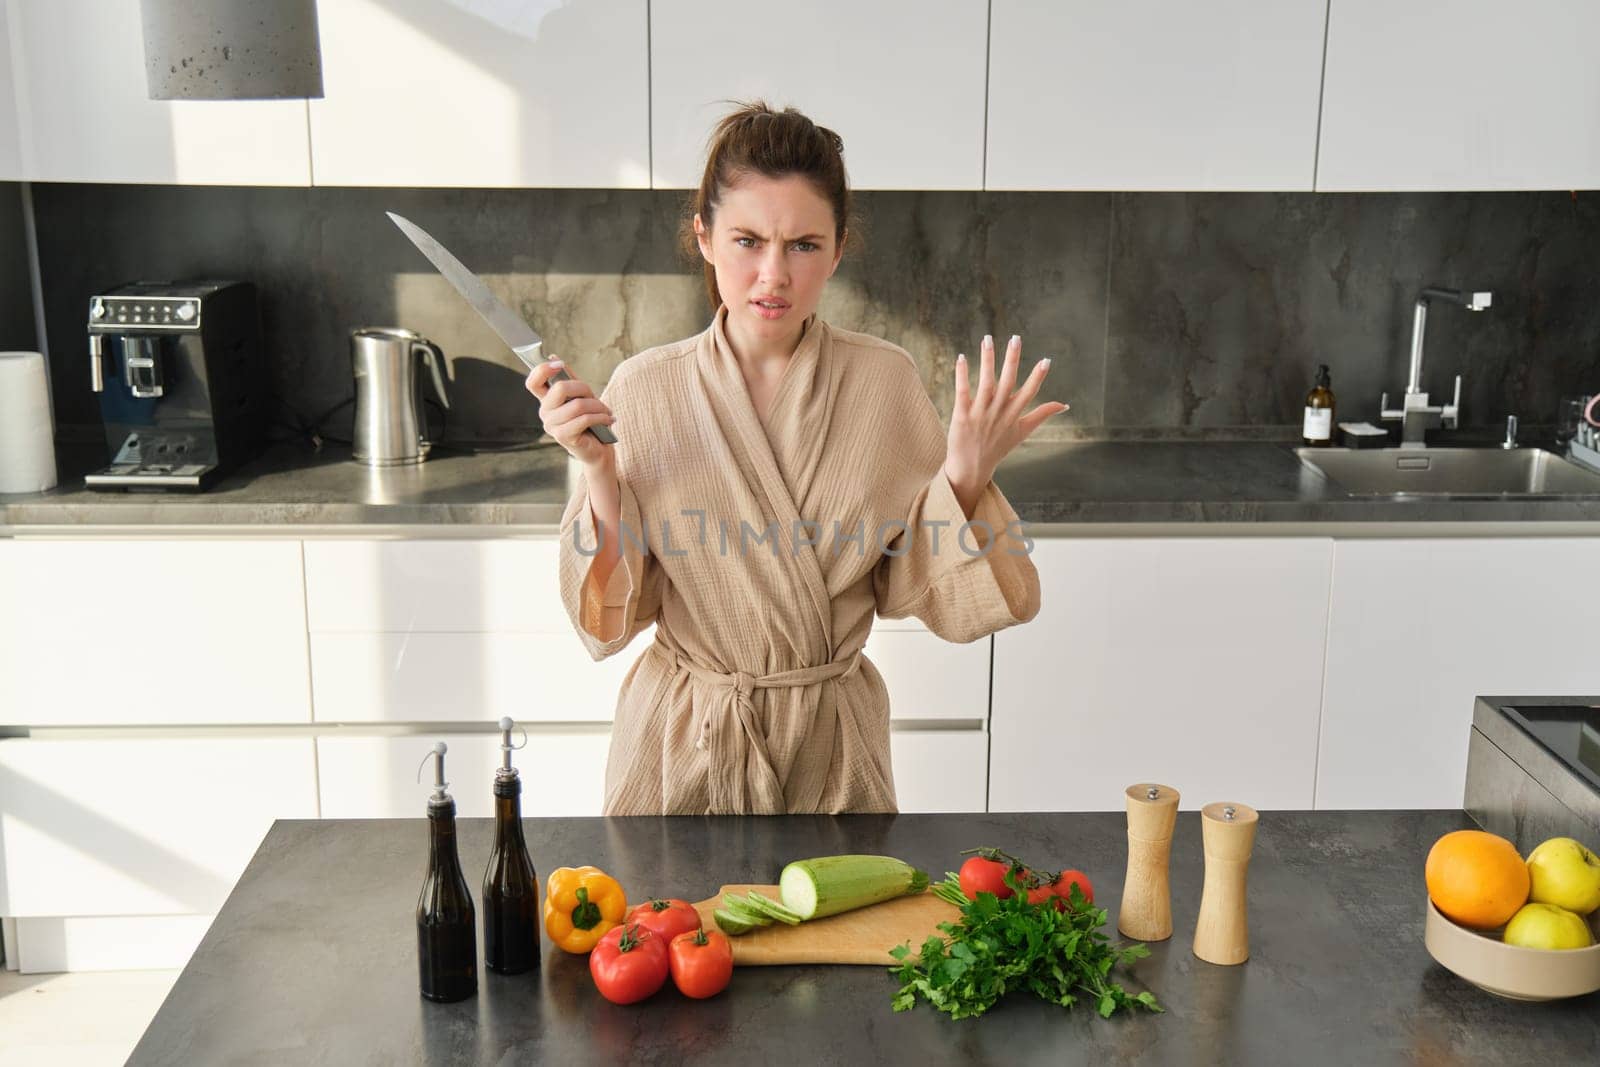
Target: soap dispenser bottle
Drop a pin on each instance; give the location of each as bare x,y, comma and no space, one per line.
1316,429
447,945
510,886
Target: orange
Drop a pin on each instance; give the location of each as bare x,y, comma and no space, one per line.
1476,878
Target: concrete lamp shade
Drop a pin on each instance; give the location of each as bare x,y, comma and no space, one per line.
231,49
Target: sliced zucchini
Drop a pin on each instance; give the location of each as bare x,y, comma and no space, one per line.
743,910
731,925
772,909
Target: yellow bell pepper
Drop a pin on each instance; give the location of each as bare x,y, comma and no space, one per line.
580,905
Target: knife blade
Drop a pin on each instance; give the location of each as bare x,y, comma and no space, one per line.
511,328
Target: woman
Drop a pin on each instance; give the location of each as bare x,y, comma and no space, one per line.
776,480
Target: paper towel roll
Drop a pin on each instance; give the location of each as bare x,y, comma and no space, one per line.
27,445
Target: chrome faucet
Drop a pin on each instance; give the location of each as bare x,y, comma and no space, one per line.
1416,415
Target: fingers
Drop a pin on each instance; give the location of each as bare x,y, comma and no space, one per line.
572,431
563,392
1031,384
539,377
538,381
1035,418
985,391
573,409
1008,372
962,395
568,407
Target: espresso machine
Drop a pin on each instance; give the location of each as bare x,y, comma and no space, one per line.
182,382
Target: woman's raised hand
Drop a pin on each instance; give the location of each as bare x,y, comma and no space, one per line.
988,423
568,408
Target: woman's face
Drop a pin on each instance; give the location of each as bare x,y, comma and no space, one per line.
772,244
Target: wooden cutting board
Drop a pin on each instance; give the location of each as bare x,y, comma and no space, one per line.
862,936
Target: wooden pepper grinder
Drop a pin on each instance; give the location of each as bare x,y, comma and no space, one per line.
1146,912
1222,934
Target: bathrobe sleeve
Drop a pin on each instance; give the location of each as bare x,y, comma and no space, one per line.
607,619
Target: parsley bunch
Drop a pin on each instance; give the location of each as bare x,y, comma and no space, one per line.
1002,945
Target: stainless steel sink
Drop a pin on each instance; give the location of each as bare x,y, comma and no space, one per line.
1451,472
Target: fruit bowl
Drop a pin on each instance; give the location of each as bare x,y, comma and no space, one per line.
1511,971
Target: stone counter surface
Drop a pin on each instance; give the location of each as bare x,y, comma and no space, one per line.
1067,483
313,957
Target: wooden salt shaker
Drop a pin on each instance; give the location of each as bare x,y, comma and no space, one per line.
1146,912
1222,934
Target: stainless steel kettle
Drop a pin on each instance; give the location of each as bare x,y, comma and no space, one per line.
390,427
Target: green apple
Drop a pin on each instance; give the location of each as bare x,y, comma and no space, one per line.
1565,874
1547,926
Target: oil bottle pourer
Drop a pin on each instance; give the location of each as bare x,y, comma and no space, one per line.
436,753
505,770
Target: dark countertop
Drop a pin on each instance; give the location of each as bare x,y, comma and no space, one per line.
1064,483
313,957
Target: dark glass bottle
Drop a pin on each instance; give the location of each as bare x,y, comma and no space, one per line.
510,890
447,944
510,886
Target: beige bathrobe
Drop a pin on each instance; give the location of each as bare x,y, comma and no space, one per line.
761,552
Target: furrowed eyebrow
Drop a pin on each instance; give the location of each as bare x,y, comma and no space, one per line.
813,237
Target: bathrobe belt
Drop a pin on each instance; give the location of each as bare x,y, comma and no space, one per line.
729,731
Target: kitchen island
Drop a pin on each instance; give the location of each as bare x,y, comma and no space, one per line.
313,958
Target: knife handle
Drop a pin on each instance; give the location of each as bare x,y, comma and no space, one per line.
602,434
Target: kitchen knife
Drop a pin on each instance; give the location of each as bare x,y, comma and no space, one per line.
512,328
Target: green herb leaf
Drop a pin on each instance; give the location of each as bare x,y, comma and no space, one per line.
1000,946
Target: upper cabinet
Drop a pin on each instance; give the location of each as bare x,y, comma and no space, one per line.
538,93
1006,95
1474,94
10,139
84,114
1157,94
901,81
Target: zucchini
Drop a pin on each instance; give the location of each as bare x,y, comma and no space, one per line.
744,911
731,925
772,909
828,885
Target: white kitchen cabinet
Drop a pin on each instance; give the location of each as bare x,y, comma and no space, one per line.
141,826
450,631
85,115
563,773
498,585
940,770
1417,630
470,630
1154,94
1193,662
475,93
1475,94
10,134
108,942
450,677
927,676
901,82
135,631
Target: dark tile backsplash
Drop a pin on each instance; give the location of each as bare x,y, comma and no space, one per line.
1166,314
16,292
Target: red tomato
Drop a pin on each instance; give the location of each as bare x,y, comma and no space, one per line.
629,964
1060,890
702,963
1063,885
665,918
979,875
